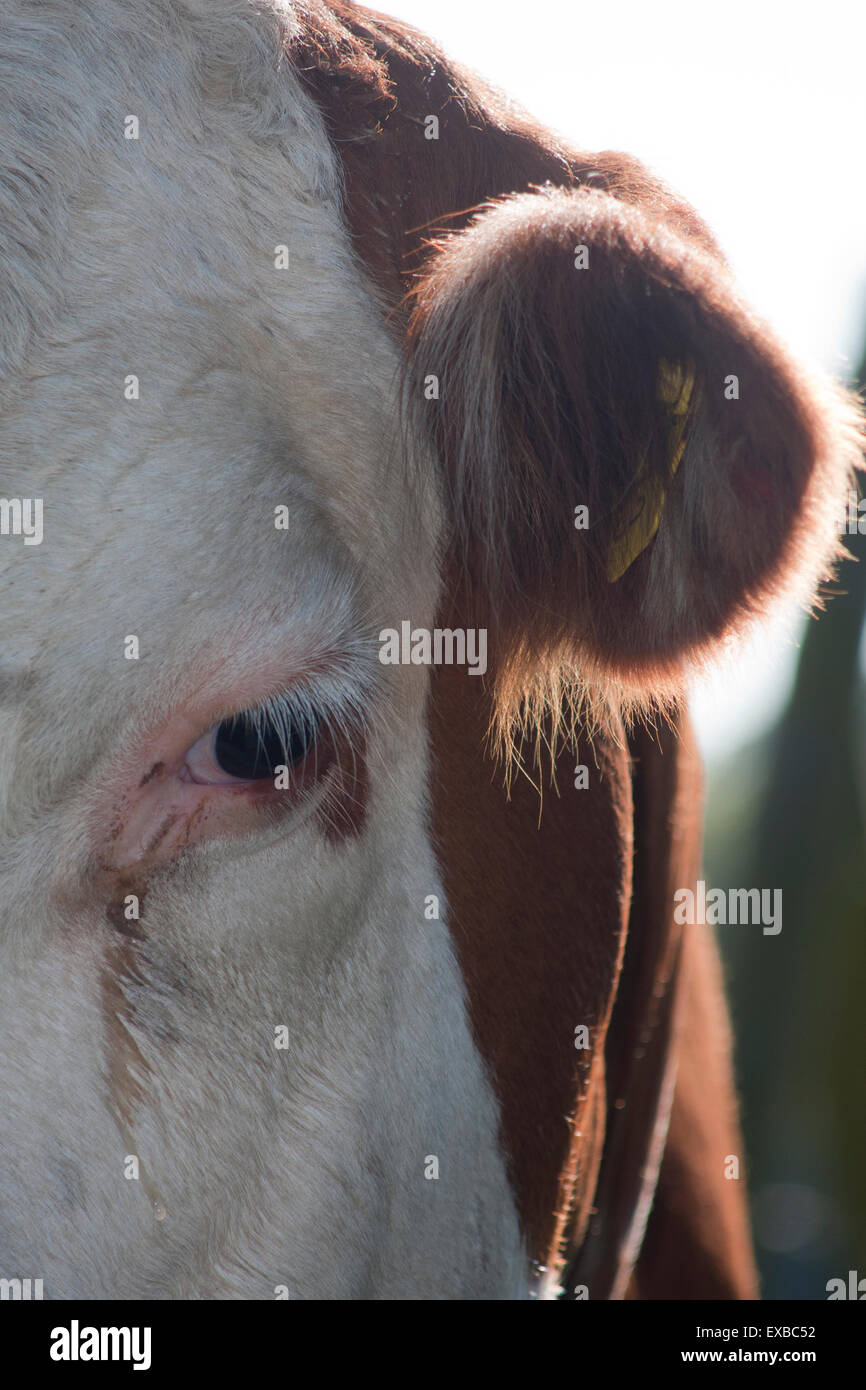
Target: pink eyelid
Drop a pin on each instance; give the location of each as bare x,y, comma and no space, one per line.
201,767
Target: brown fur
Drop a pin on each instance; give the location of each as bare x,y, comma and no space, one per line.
548,401
548,376
525,902
697,1208
668,1058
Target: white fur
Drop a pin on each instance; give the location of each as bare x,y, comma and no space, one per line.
259,1167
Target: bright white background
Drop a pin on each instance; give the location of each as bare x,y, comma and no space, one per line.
757,113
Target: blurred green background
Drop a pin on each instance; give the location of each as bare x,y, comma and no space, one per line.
787,811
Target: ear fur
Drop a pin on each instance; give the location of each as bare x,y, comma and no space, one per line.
551,397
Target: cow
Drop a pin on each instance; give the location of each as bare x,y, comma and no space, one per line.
329,970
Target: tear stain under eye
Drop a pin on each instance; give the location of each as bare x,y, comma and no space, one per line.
127,1071
120,966
154,772
165,826
126,1068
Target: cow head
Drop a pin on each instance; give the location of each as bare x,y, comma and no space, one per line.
236,1038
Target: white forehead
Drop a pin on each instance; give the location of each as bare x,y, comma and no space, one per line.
209,259
260,383
216,103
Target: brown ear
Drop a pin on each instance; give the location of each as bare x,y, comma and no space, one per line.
625,377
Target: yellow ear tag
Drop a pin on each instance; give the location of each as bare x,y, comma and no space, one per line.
676,389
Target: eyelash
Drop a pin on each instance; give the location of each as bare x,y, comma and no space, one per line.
332,714
287,713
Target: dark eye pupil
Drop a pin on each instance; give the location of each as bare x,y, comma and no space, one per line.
247,752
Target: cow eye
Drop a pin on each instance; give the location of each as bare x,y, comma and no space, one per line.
249,751
251,746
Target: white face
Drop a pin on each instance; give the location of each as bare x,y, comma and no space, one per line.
154,1038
